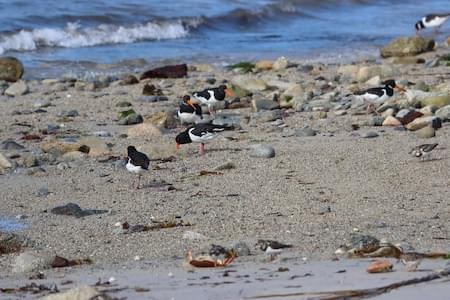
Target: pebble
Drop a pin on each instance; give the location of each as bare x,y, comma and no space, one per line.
267,116
193,236
102,133
426,132
11,145
30,161
73,209
43,192
152,98
131,119
28,262
262,151
83,292
69,114
369,134
4,162
18,88
303,132
241,248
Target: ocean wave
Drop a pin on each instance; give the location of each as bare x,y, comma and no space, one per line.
74,35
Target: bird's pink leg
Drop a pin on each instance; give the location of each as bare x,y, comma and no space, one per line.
212,111
201,149
139,182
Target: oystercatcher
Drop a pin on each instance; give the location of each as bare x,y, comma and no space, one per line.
199,133
137,162
213,96
431,21
188,112
423,150
379,95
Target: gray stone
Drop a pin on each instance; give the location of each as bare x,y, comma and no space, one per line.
43,192
303,132
72,209
151,99
241,248
225,166
11,145
131,120
369,135
426,132
267,116
193,236
444,113
264,104
11,69
4,162
18,88
52,128
228,120
31,262
69,114
402,113
262,151
407,46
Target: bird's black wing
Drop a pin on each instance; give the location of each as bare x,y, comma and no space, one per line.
185,108
140,159
204,94
375,91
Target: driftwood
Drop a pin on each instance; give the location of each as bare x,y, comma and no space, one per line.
371,292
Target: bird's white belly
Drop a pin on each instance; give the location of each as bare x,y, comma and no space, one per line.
132,168
202,139
189,117
436,22
374,98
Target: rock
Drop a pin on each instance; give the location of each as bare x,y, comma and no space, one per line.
280,64
349,71
83,292
74,156
317,115
151,90
225,166
11,145
374,81
407,116
444,113
131,120
391,121
264,65
97,147
4,162
160,150
241,249
438,101
152,99
422,122
407,46
249,83
32,261
30,161
367,72
426,132
43,192
228,120
267,116
262,151
144,130
58,148
380,266
124,104
12,243
304,132
172,71
162,119
193,236
286,99
264,104
428,110
69,114
128,79
72,209
11,69
18,88
205,68
407,60
369,135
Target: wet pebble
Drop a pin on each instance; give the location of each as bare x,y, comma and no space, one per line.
262,151
304,132
43,192
369,134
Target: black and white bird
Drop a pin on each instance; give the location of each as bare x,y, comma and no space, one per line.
423,150
189,112
212,96
137,162
378,95
199,133
411,260
431,21
272,248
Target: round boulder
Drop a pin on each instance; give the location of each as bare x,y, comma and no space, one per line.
11,69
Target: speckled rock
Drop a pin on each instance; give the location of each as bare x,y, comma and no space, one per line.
262,151
18,88
32,261
11,69
407,46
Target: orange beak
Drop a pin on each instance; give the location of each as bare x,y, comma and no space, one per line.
399,88
190,103
228,93
178,146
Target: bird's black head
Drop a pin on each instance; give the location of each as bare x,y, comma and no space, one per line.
390,83
186,98
131,149
419,25
223,87
183,138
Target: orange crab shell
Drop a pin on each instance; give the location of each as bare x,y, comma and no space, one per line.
207,261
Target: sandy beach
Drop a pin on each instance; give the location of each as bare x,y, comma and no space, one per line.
349,177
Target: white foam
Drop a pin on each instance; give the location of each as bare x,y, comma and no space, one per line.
74,35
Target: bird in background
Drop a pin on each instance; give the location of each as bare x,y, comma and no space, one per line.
431,21
423,150
379,95
200,133
137,163
212,97
189,112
